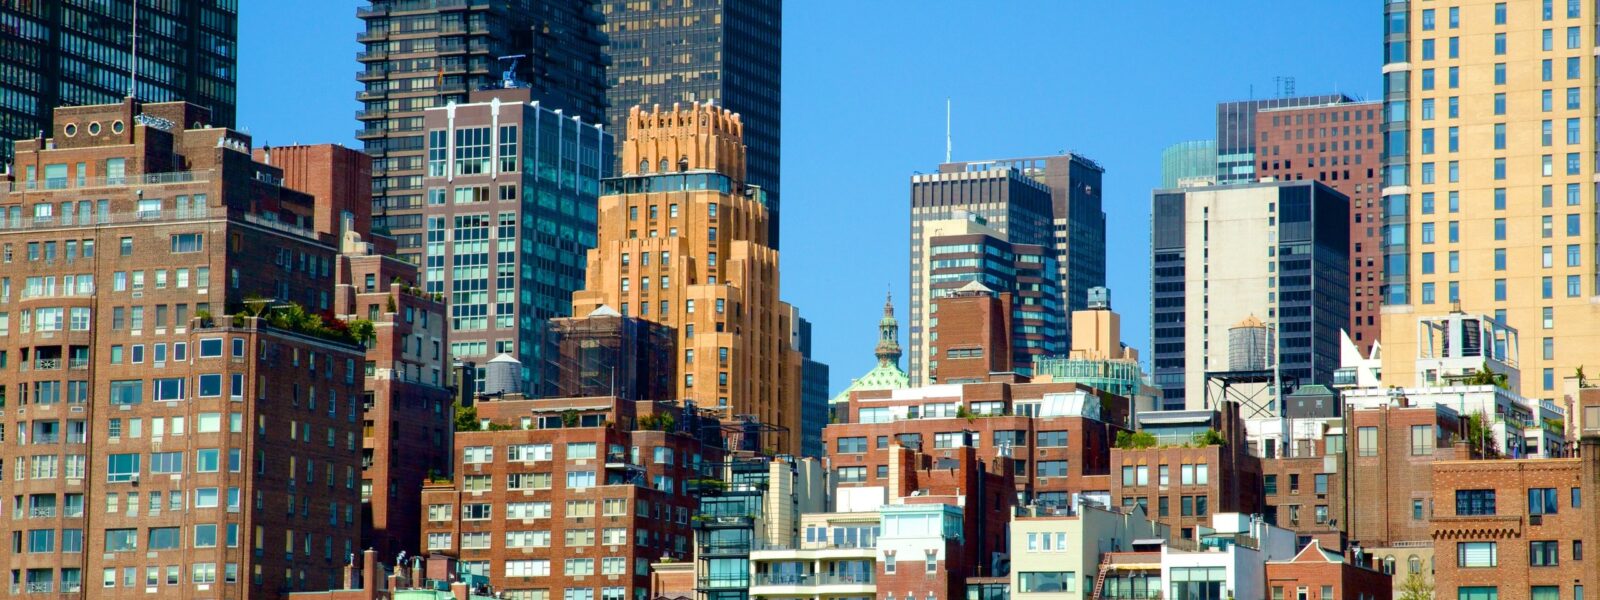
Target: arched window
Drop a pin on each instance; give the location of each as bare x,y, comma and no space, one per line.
663,165
1414,564
1388,565
644,166
683,163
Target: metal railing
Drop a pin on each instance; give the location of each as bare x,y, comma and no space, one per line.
105,181
118,218
797,579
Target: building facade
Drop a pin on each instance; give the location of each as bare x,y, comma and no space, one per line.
421,55
1186,163
1276,252
1058,434
171,376
964,269
1236,133
1197,468
683,242
1339,145
567,498
719,52
510,218
1002,204
1496,174
67,54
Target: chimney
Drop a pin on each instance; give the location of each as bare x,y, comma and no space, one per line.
369,570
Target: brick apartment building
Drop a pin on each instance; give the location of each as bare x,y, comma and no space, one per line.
947,519
1515,529
1390,492
1058,434
1305,493
1181,481
971,331
1337,143
164,438
571,497
1317,573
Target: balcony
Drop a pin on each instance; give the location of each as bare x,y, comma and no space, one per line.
372,73
371,94
42,512
371,113
773,584
372,35
126,180
47,364
372,54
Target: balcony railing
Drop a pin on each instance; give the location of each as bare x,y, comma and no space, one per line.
41,512
814,580
47,364
99,182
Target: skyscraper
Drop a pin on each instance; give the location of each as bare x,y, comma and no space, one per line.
71,53
683,242
1236,133
1336,144
1078,219
427,54
510,216
1273,253
998,197
726,52
1488,179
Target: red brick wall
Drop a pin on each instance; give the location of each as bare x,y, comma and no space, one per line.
1512,527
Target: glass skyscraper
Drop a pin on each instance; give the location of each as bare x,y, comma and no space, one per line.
75,53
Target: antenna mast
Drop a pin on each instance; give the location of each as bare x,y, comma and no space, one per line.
947,129
133,59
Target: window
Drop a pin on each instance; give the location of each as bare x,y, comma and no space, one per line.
1477,593
1053,468
1030,582
1422,441
1367,442
1543,554
1542,501
1052,439
1474,502
1474,555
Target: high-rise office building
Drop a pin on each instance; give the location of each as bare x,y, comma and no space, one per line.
814,409
725,52
683,242
175,398
995,197
1186,162
1488,181
511,188
1236,134
966,257
1339,145
429,53
1272,254
1078,219
74,53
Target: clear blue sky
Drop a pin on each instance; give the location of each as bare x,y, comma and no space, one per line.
863,93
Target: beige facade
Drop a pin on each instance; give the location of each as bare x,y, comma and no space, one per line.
1512,202
1059,556
683,242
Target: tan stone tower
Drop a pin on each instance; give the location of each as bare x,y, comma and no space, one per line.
683,242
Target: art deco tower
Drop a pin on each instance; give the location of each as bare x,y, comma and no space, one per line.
683,241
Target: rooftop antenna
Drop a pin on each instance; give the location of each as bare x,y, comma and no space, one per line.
133,72
947,129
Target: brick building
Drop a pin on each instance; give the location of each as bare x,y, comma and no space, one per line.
1320,574
947,519
154,376
1337,143
971,335
1058,434
1188,475
407,421
571,497
1390,490
1515,529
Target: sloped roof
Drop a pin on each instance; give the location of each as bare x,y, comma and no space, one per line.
881,377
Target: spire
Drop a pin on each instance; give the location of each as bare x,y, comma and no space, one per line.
888,350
